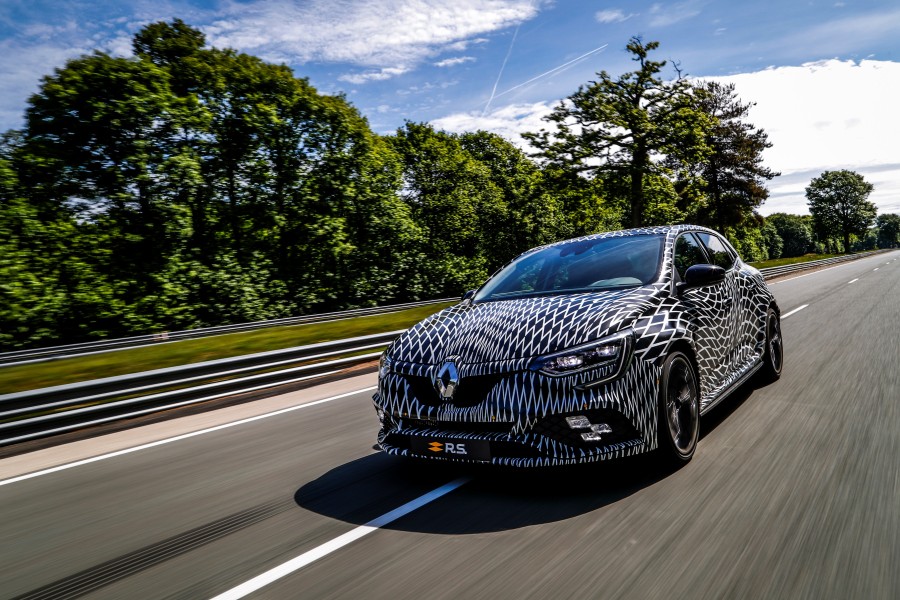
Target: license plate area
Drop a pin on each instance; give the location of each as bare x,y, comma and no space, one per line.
451,448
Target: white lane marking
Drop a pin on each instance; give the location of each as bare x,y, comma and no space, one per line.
853,280
178,438
298,562
796,310
875,269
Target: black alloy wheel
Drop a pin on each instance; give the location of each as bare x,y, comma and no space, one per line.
773,358
679,409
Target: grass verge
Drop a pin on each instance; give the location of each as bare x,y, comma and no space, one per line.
780,262
18,378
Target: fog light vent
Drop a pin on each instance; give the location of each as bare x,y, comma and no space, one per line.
578,422
596,433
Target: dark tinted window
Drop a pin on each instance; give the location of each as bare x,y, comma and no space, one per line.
687,254
580,266
718,252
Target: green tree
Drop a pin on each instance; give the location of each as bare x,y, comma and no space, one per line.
189,186
585,203
839,206
453,199
754,239
530,216
888,230
626,126
795,233
733,173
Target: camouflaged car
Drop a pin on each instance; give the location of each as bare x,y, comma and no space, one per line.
588,349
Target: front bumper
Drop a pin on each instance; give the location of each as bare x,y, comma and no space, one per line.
508,415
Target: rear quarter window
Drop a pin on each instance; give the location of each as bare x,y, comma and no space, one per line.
719,252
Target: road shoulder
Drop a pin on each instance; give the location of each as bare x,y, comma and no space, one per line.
47,458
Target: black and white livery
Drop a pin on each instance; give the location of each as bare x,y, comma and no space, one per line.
588,349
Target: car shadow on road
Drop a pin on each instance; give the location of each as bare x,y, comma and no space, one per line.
728,407
493,499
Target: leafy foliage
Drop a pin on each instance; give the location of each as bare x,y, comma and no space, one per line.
839,206
190,186
888,230
626,126
734,176
795,232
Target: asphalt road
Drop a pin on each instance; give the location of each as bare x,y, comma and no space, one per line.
794,493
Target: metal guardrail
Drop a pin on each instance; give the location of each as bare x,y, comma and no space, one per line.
48,411
772,272
42,354
68,350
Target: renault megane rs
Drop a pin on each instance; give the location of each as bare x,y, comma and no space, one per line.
588,349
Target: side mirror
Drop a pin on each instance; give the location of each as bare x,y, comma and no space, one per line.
468,295
702,275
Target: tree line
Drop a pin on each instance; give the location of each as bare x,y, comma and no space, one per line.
189,186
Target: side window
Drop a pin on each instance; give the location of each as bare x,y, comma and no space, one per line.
719,253
687,254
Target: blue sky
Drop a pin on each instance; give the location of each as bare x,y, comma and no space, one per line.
825,75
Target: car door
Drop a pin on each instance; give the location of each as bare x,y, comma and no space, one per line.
748,310
711,312
721,254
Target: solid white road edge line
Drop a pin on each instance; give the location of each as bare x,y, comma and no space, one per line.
853,280
796,310
297,563
179,437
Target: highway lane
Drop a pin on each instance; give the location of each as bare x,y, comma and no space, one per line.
794,493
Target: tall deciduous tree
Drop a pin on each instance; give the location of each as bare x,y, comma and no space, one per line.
626,126
733,172
888,230
839,206
795,233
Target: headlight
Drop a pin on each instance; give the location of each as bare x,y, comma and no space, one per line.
608,356
384,364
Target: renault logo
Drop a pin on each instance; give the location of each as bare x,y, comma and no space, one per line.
447,379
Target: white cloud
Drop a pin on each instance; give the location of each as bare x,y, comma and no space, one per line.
379,75
22,75
464,44
664,15
827,115
373,33
612,15
452,62
819,116
510,121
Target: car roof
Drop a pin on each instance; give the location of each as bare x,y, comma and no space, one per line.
667,230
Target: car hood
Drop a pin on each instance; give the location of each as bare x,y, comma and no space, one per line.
521,328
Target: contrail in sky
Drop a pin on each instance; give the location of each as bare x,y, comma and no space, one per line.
500,74
544,74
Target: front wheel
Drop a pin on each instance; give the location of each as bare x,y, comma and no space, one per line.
679,410
773,357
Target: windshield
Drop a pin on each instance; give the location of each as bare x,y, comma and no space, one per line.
579,266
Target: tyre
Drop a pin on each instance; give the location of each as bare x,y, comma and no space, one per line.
773,357
679,410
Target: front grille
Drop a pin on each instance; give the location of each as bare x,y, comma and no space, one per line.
556,428
458,426
471,391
